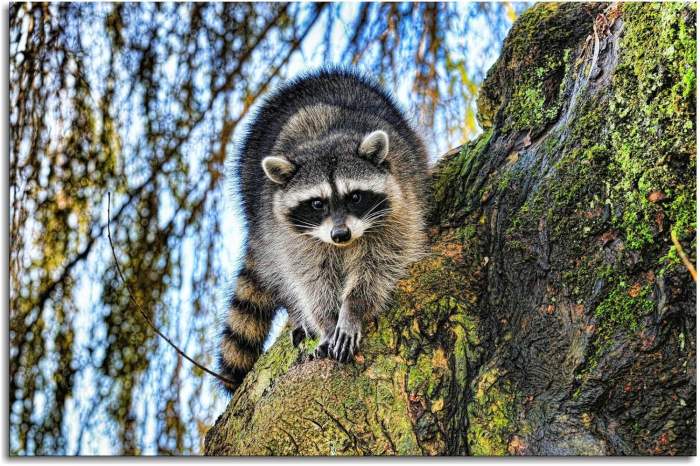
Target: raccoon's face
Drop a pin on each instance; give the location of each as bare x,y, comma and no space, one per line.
337,189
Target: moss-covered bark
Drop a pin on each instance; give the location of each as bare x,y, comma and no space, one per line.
553,315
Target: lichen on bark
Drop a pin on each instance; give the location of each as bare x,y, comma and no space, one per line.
552,315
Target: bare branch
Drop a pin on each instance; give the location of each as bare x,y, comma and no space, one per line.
143,313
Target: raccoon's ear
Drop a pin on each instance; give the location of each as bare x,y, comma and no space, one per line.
375,146
278,169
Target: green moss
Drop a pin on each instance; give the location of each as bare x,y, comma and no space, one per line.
330,413
620,149
528,79
658,47
668,261
451,185
621,310
466,346
550,143
529,25
505,180
466,233
529,107
386,334
491,415
625,306
561,201
683,214
471,151
639,149
420,376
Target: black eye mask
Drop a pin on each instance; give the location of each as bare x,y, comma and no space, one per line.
366,203
306,215
311,212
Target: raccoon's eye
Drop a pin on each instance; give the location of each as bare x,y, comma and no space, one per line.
355,198
317,204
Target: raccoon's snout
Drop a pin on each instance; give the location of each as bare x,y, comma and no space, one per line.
341,234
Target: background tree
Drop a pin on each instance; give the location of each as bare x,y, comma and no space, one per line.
145,101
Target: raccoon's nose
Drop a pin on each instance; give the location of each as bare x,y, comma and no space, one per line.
340,234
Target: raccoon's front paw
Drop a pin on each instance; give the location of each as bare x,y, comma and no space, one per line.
298,335
345,341
321,350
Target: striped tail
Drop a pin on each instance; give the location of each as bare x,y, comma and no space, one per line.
250,314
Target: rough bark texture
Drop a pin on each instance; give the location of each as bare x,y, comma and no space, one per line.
554,315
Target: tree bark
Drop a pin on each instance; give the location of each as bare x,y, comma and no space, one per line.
554,315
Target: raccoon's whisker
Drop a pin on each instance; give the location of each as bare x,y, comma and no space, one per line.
303,227
375,226
378,213
375,206
375,215
310,235
303,224
371,213
375,223
373,209
298,220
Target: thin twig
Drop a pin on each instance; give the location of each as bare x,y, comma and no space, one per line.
144,315
689,265
596,50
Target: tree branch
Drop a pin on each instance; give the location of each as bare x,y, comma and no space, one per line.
143,313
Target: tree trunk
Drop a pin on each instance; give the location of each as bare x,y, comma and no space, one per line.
554,315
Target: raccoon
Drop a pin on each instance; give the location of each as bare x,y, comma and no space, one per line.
332,180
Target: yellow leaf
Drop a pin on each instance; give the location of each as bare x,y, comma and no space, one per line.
510,12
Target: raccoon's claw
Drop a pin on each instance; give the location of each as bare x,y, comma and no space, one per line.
298,335
321,350
345,344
